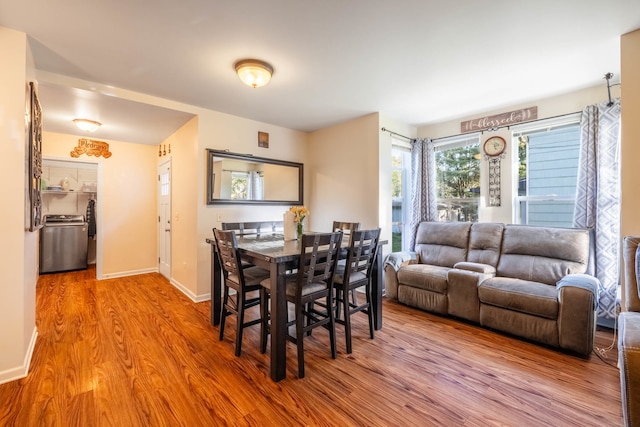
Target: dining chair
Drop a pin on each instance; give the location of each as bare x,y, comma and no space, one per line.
312,282
347,228
357,272
243,280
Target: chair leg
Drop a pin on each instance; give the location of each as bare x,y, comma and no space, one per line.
299,339
369,310
347,321
224,312
264,317
339,298
240,321
332,326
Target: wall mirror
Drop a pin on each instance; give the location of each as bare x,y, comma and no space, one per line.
245,179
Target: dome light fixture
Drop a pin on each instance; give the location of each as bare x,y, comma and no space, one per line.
253,72
87,125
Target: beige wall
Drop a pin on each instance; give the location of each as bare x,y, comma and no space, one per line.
18,252
222,131
184,244
344,161
630,150
547,107
126,209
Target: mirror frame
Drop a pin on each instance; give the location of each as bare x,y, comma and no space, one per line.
248,157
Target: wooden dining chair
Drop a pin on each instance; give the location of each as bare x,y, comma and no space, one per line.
312,282
347,228
358,269
243,280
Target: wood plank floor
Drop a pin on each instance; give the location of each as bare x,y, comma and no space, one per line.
136,352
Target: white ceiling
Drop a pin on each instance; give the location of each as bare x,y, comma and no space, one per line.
416,61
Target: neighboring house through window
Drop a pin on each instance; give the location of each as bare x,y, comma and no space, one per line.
547,170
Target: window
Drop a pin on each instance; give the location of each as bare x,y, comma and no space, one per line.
458,178
400,194
548,167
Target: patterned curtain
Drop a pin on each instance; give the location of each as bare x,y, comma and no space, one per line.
598,196
423,187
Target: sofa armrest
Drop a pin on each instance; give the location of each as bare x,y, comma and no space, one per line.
577,298
582,281
398,259
629,364
476,267
392,263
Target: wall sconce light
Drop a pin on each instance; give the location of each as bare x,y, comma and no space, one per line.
253,72
87,125
162,150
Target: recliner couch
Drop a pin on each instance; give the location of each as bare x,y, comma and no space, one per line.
527,281
629,334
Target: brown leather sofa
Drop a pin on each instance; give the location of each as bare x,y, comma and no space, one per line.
524,280
629,335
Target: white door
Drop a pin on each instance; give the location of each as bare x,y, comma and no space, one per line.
164,218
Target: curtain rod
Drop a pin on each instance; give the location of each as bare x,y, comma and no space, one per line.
508,126
397,134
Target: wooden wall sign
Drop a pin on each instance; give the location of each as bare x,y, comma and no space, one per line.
499,120
91,148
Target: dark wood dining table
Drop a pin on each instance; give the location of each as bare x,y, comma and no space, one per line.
273,253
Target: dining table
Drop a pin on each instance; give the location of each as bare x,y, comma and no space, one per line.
277,255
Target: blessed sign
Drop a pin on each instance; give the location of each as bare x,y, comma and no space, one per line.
499,120
91,148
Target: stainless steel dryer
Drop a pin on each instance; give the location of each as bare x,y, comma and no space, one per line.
63,243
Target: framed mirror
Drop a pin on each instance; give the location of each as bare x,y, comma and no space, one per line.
245,179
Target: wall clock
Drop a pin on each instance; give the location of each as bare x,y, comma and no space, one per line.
494,151
494,146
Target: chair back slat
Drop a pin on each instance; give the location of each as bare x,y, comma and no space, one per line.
318,257
226,245
363,247
254,227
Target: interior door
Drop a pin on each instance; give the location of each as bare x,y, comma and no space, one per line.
164,218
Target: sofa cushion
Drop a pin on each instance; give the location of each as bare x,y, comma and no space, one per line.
429,277
543,254
485,242
524,296
442,243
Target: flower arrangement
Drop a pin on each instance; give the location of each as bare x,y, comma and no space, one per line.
299,214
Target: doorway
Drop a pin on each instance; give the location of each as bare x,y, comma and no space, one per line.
164,219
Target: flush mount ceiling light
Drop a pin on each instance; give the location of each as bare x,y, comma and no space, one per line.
253,72
86,124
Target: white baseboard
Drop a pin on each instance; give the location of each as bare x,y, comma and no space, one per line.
193,297
21,371
128,273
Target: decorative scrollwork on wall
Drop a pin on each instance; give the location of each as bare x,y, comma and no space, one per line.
495,179
34,153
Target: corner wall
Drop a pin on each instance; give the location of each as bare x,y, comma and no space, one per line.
18,251
630,132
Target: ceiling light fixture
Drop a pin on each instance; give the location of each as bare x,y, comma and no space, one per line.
87,125
253,72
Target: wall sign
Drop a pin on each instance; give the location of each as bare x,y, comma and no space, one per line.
91,148
34,166
499,120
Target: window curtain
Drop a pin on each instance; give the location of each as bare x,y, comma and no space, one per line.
424,205
598,196
255,186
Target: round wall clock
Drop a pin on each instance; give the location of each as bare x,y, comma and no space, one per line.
494,146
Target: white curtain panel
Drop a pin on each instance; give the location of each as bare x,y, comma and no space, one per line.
598,196
424,205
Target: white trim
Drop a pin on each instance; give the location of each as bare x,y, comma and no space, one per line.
456,141
129,273
545,124
23,370
193,297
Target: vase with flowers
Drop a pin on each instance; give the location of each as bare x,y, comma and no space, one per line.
299,214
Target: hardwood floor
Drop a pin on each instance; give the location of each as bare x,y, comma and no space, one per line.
135,351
